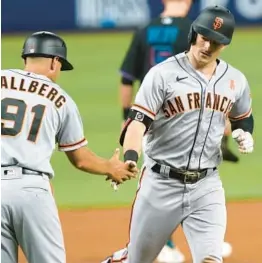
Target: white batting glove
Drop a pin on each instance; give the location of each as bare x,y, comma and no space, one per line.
244,140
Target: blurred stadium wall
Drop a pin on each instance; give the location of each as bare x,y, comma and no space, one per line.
90,15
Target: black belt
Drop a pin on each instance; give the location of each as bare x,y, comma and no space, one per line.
29,171
24,170
187,177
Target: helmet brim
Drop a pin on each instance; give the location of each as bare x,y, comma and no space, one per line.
66,65
212,35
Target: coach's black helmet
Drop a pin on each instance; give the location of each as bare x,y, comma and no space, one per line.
46,44
216,23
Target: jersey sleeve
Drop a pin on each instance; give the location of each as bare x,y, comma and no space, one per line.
131,67
242,107
71,133
151,94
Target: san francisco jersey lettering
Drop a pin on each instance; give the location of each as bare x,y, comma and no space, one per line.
181,99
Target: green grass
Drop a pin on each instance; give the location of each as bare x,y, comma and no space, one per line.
94,86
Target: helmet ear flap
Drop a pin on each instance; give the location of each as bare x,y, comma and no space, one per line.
192,36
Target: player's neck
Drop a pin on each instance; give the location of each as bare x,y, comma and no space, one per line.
175,9
207,69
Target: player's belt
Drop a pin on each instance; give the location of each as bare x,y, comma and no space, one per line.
187,177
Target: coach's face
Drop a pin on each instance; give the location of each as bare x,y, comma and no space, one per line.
205,50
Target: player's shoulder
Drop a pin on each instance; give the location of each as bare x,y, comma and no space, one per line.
142,30
171,63
170,21
236,73
166,69
154,22
182,22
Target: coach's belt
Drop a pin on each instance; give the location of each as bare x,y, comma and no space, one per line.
8,172
187,177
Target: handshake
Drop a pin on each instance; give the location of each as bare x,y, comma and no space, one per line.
119,171
244,140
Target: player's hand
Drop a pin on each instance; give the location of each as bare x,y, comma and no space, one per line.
244,140
132,166
120,171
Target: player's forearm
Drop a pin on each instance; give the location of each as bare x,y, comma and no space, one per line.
134,136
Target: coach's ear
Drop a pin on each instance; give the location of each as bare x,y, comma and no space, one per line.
55,64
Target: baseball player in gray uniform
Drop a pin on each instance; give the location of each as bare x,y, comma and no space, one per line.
182,105
35,115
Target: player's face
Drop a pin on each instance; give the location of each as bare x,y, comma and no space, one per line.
205,50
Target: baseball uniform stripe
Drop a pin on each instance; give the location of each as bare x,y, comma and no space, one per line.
242,116
144,110
132,209
65,146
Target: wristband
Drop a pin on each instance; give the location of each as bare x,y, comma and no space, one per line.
125,113
131,155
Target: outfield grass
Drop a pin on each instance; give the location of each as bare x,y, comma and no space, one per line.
94,86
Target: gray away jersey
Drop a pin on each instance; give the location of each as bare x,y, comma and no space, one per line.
190,112
35,115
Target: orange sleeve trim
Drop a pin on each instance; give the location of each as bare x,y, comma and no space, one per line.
145,109
72,144
242,116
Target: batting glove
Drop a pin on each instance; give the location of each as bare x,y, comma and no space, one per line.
244,140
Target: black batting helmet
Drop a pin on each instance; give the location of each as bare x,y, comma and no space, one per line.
46,44
215,23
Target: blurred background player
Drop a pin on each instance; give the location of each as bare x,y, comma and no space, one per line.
163,37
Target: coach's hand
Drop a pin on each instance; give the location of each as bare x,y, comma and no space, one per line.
119,171
244,140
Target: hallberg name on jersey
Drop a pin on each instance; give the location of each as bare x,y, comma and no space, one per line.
39,88
192,101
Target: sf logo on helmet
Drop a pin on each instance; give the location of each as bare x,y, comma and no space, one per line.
218,23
